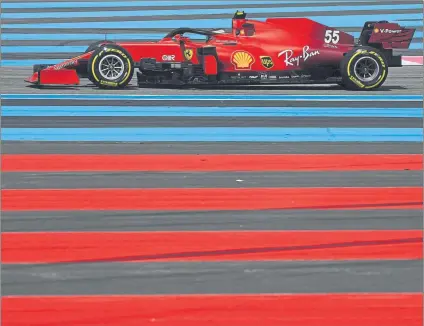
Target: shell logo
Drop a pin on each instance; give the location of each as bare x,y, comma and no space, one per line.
376,30
242,60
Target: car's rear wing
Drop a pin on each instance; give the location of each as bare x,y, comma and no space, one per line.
387,37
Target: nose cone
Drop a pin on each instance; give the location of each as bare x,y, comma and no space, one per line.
32,79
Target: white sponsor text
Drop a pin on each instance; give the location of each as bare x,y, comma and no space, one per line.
289,60
166,57
390,31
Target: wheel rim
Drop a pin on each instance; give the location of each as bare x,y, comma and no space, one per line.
366,69
111,67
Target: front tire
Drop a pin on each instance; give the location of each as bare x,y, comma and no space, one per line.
110,66
37,68
363,69
97,44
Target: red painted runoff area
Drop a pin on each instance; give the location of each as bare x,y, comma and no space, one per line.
213,199
285,162
55,247
217,310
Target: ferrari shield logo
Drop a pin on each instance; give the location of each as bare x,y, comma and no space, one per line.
188,54
242,60
267,62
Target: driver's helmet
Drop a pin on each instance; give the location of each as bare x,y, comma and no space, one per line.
239,15
240,26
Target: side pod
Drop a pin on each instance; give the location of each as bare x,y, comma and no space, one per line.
209,59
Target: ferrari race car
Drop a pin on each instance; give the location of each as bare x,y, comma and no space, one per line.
275,51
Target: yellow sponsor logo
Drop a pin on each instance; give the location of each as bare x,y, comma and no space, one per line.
267,62
108,83
116,51
242,60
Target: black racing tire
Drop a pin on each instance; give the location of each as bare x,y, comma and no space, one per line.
367,61
95,45
99,67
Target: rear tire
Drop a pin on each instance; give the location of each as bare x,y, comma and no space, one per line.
110,66
363,69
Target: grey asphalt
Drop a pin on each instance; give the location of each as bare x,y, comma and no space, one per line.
122,104
88,180
195,5
404,80
212,220
272,13
28,147
194,1
222,278
314,122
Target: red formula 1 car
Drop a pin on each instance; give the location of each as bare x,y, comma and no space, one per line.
275,51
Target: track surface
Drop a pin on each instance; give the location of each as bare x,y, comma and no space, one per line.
405,80
211,231
212,218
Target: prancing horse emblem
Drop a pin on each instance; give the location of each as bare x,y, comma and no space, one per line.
188,54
